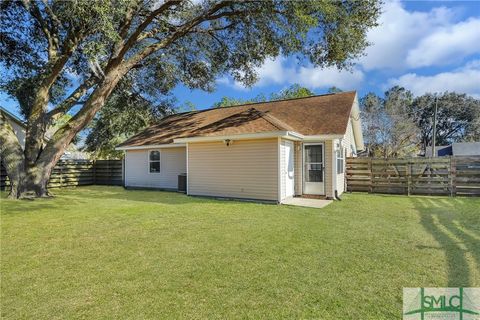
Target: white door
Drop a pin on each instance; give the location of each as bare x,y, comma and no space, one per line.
289,179
313,172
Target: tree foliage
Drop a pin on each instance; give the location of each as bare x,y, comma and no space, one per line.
292,92
402,125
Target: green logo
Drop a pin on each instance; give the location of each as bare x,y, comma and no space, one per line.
441,303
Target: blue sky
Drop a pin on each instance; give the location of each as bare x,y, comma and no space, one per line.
425,46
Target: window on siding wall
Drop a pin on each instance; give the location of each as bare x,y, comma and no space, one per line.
154,162
340,160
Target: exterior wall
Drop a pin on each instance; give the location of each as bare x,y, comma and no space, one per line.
246,169
19,132
172,163
284,169
298,170
329,157
348,143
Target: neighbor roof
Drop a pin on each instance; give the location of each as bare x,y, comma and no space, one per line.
317,115
13,117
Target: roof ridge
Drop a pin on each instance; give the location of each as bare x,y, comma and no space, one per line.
264,102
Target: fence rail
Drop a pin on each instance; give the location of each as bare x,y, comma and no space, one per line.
432,176
68,173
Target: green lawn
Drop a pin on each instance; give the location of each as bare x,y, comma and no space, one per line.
103,252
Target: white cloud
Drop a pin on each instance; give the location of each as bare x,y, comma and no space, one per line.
447,45
408,39
465,80
278,71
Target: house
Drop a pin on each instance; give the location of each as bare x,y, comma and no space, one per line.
18,126
263,151
455,149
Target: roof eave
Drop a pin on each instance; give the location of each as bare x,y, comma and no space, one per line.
150,146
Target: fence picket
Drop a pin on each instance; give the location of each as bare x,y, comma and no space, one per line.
78,172
446,175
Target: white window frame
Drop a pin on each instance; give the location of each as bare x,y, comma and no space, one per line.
340,151
159,161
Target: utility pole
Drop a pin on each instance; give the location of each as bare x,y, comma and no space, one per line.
434,127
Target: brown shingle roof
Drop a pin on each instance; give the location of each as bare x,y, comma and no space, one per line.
325,114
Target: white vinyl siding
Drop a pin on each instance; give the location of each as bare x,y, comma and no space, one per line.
284,168
137,171
246,169
348,147
298,168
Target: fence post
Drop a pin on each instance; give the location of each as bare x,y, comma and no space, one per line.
94,171
370,188
409,177
453,176
61,175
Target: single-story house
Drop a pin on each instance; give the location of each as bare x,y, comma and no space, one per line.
455,149
262,151
18,126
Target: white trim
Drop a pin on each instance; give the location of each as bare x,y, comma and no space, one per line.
279,169
125,168
152,146
159,161
186,187
322,137
290,135
323,144
334,167
260,135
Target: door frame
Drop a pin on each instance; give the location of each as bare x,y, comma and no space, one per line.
304,172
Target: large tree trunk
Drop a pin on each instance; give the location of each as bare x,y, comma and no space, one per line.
29,176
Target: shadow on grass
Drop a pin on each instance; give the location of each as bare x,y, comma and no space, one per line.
455,230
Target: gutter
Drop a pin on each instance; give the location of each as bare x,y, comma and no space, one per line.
152,146
289,135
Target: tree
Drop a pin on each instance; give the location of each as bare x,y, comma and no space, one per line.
389,127
292,92
458,118
228,102
69,56
125,114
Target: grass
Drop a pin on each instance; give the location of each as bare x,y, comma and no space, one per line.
103,252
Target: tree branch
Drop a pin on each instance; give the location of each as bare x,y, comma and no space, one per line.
72,99
181,31
125,46
51,36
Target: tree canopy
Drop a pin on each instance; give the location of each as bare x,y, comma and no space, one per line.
400,124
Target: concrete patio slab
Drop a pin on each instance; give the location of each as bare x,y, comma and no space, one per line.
307,202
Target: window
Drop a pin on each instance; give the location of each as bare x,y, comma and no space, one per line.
154,161
340,161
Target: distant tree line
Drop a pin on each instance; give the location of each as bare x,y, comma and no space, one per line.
401,124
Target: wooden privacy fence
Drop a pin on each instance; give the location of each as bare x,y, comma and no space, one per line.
431,176
68,173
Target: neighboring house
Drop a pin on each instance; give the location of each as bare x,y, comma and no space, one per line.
19,128
263,151
17,124
455,149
